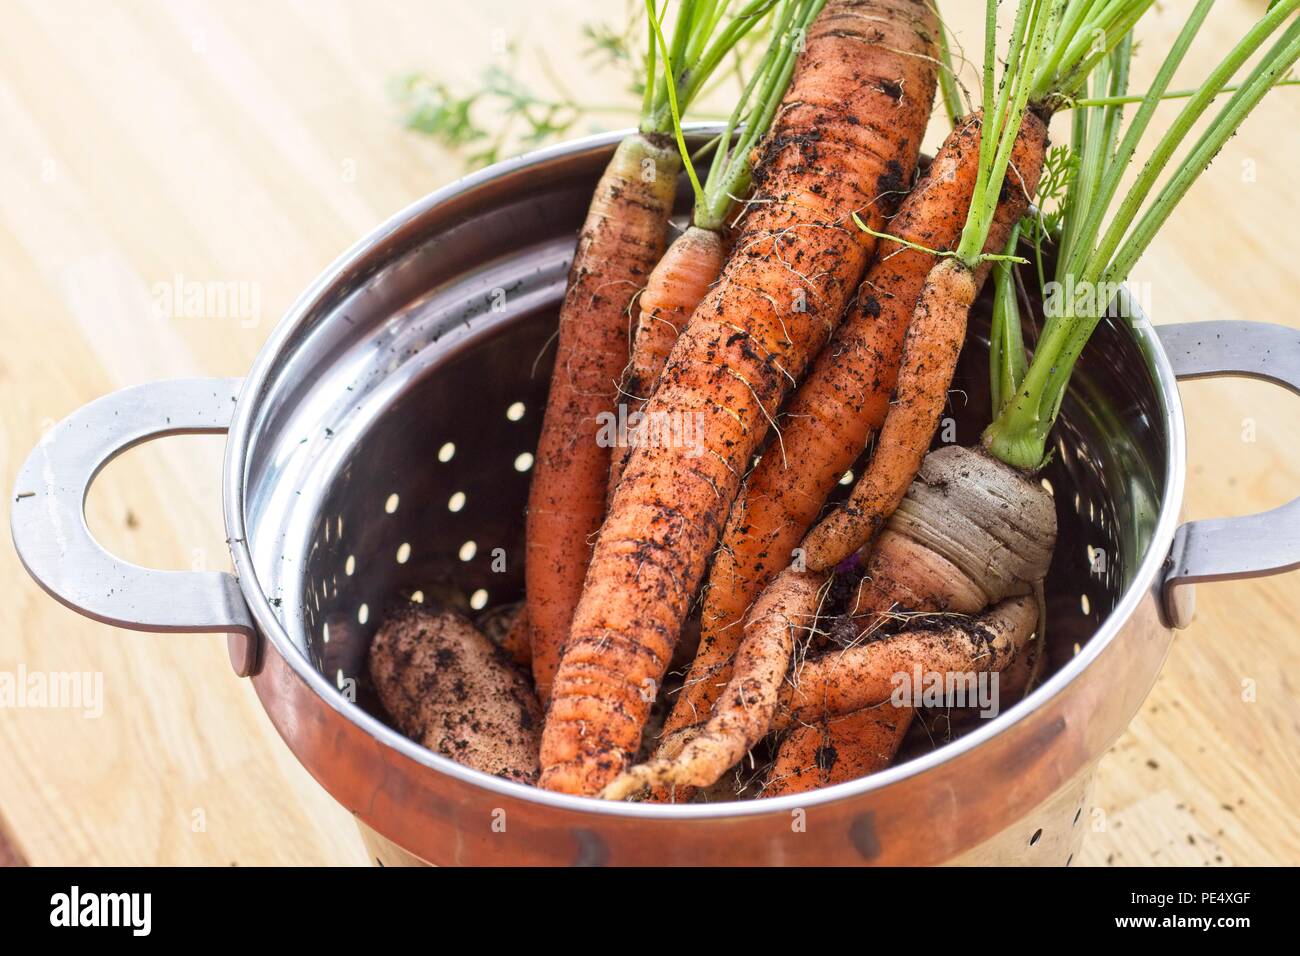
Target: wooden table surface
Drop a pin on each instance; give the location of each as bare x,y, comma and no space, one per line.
252,141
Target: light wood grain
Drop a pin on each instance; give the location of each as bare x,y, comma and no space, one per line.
253,141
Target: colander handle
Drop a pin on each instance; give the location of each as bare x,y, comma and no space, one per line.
48,516
1221,549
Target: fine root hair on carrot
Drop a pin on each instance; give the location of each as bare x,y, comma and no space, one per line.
845,681
837,750
841,138
834,414
622,238
744,712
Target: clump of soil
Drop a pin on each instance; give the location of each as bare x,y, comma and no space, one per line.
451,689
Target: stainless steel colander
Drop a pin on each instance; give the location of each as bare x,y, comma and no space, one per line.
379,451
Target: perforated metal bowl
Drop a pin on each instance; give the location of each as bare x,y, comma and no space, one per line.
380,448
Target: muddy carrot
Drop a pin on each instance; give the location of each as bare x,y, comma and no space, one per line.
621,240
933,340
692,263
786,611
450,688
760,698
980,514
837,750
844,141
845,396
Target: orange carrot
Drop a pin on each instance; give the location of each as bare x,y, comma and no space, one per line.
516,641
744,712
837,750
622,238
845,397
970,533
759,698
846,139
693,261
933,343
676,286
845,681
934,339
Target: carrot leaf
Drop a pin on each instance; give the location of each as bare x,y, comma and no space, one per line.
1007,361
1097,266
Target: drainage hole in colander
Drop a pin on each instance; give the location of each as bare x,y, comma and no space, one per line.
1038,835
456,501
478,600
446,452
403,552
350,565
524,461
391,504
417,597
363,614
515,411
468,550
1084,604
325,632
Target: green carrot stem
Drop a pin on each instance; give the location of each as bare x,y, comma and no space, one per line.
1092,216
1141,97
651,58
774,73
745,20
1001,124
1092,160
672,101
725,150
1279,59
729,170
1019,433
1110,31
1007,361
1089,32
1186,118
677,70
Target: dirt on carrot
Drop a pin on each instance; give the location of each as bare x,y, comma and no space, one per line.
844,141
447,686
676,287
832,416
620,242
812,756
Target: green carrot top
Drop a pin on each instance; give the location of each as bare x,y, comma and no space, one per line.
1097,255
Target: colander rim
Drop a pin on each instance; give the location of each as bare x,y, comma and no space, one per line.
301,314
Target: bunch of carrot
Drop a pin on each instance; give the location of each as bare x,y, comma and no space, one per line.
812,316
